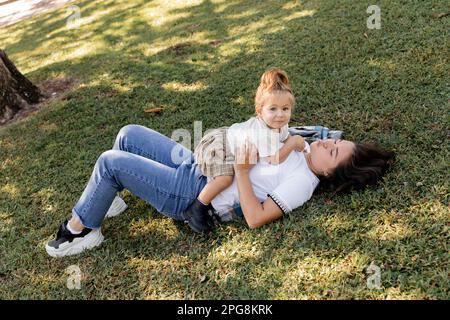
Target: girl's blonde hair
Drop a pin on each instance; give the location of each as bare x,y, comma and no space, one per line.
272,81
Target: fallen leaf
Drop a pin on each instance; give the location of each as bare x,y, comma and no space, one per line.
153,110
193,27
179,48
215,43
440,15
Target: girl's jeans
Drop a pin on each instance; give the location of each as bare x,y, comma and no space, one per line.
151,166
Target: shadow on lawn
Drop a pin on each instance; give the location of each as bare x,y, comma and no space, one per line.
128,81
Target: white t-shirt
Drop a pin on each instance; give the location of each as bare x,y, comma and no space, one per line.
290,184
266,140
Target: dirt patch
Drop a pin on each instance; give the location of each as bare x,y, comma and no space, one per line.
179,48
52,90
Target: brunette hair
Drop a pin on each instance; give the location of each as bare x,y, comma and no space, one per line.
273,80
366,166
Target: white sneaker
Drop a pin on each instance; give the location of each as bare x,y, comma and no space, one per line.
67,244
117,207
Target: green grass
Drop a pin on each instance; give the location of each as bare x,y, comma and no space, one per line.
389,86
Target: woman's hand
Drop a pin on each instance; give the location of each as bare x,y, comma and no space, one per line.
246,156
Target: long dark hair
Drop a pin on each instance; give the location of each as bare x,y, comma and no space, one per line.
365,167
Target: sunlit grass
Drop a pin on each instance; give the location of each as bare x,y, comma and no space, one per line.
201,61
10,189
176,86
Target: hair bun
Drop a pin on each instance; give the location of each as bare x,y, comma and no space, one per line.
275,79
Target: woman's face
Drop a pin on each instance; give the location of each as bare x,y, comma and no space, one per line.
276,109
327,155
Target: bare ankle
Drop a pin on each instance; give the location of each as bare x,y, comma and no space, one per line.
75,224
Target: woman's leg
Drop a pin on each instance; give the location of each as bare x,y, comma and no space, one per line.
145,142
169,187
153,145
170,190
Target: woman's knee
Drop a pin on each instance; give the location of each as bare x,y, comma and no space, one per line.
109,164
108,158
124,133
128,130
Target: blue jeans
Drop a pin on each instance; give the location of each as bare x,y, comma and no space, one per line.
151,166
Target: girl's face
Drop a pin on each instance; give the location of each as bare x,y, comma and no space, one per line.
327,154
276,109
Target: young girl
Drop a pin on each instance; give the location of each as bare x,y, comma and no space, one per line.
267,130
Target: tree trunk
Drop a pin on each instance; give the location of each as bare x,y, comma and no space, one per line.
16,91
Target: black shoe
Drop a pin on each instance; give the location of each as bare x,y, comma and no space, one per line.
67,244
198,218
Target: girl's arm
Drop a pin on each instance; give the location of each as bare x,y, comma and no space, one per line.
292,143
255,213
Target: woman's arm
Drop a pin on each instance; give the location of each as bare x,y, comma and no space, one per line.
255,213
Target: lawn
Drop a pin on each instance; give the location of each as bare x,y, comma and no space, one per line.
201,61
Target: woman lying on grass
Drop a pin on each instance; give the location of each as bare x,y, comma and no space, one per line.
148,164
141,161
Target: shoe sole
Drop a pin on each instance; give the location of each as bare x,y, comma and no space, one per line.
117,207
78,245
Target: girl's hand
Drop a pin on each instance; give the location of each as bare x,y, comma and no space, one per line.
298,142
246,156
